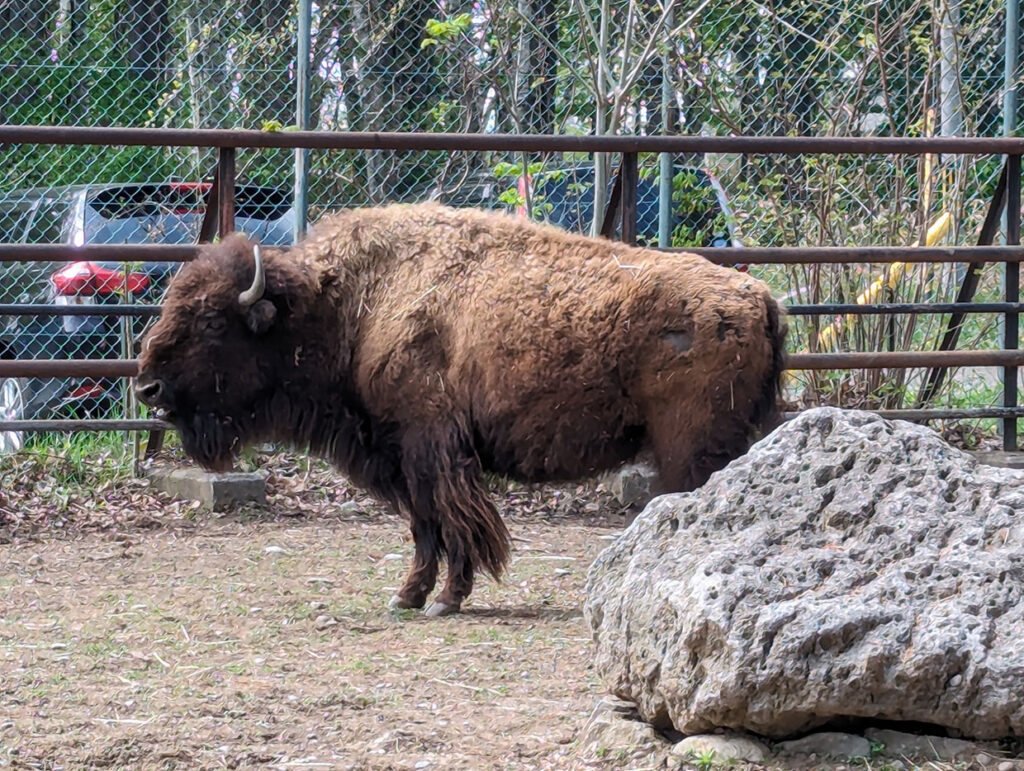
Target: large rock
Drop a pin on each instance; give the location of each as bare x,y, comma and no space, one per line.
846,567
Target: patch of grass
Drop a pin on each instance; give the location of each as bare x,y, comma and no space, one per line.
103,649
704,760
79,459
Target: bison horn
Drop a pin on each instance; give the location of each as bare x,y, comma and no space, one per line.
259,283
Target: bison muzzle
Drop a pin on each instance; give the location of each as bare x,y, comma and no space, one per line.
417,347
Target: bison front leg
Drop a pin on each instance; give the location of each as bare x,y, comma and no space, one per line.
422,575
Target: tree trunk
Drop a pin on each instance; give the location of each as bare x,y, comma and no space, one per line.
145,31
30,21
68,43
537,65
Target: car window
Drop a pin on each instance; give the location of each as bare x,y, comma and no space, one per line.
565,198
262,203
172,213
14,217
49,221
696,212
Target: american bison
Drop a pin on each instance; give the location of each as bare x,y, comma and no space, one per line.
417,346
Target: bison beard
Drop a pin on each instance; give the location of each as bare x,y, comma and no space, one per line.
208,440
417,347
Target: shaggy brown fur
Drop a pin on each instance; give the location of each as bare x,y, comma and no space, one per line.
418,346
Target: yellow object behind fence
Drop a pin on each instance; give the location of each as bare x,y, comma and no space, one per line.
830,334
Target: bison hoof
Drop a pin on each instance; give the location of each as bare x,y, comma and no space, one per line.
438,609
398,602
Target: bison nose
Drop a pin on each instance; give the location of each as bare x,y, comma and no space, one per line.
152,393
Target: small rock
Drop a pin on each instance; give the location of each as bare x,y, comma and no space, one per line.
275,550
424,764
610,727
616,705
562,572
35,559
900,744
323,622
1010,765
830,743
349,507
722,748
391,558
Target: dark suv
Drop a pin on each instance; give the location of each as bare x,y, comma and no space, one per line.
166,213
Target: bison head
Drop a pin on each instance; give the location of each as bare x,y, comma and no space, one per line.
223,347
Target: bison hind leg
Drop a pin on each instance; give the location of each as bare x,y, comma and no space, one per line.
688,448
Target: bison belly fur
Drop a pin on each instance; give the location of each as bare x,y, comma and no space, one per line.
419,346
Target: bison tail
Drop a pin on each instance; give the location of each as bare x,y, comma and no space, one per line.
472,530
766,409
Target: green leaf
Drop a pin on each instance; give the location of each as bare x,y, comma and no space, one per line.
505,169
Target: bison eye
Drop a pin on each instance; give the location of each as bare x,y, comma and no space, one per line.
212,323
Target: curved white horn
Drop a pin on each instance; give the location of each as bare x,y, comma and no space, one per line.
259,283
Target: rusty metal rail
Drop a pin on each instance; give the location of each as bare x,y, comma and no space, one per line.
756,255
106,368
40,309
354,140
839,309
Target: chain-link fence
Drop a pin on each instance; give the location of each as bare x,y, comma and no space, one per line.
796,67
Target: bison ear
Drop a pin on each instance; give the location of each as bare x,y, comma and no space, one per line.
260,316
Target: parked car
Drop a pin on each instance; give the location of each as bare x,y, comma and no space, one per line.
164,212
701,214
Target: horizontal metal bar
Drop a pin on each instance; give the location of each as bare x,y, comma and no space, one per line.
940,414
838,255
750,255
44,368
900,359
354,140
113,309
159,425
853,309
824,309
84,425
98,253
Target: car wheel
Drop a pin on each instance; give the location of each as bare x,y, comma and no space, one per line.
12,407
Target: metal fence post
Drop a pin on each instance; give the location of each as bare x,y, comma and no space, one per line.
630,180
226,190
1012,288
302,116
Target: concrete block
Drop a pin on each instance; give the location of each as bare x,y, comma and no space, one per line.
214,491
632,485
1000,458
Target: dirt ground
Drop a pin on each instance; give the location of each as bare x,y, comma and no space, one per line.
136,632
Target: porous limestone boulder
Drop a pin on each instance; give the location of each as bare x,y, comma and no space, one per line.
846,567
